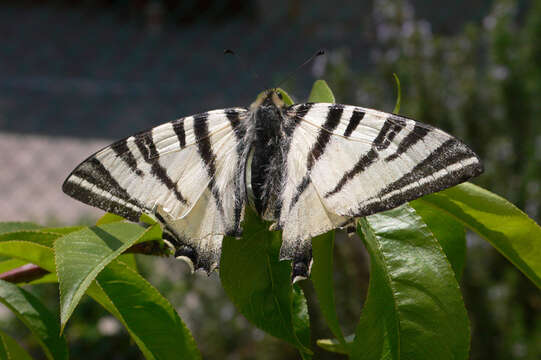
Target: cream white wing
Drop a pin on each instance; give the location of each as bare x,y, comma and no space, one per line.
345,162
182,173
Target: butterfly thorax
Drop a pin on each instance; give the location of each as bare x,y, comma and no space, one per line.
266,158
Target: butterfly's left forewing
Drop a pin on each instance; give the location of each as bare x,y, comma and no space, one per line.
346,162
188,173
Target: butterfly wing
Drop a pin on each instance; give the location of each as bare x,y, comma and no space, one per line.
345,162
188,173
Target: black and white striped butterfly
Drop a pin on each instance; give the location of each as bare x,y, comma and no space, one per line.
309,168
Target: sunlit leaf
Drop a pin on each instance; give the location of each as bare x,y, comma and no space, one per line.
12,226
129,259
496,220
109,218
321,92
449,232
414,309
81,255
37,237
62,230
11,264
285,97
33,246
150,319
333,345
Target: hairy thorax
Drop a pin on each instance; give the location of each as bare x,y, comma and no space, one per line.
265,166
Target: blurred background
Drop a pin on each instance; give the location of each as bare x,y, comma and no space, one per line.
77,74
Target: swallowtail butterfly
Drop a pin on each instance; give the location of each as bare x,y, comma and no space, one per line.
308,167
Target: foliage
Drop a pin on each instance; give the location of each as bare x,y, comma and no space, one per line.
414,308
481,82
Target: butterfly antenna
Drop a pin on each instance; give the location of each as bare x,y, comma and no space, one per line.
241,61
291,74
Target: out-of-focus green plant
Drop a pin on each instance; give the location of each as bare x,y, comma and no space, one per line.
413,308
482,83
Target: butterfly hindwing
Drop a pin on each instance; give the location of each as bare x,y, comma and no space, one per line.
180,172
346,162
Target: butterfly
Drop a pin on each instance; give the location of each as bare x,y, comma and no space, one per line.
309,168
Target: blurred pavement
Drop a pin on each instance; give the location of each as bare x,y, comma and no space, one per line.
32,171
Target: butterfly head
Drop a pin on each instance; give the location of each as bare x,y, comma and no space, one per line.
272,98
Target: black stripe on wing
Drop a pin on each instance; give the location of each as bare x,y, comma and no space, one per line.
391,127
240,133
85,195
204,147
365,161
354,121
296,114
389,130
122,150
178,128
449,153
323,138
146,146
417,134
94,173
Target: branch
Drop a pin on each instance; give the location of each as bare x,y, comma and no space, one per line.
25,273
30,272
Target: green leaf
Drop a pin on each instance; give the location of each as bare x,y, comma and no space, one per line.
36,317
398,94
38,237
449,233
29,246
260,286
33,246
63,230
414,309
149,318
496,220
322,279
46,279
12,226
321,92
147,315
285,97
11,264
333,345
10,349
109,218
147,219
81,255
129,259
